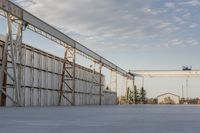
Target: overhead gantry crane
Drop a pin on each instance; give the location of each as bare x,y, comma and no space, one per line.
165,73
185,72
13,41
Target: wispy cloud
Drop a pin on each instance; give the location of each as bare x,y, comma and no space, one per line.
170,5
181,42
115,24
192,2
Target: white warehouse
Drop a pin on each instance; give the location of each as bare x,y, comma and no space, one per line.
168,98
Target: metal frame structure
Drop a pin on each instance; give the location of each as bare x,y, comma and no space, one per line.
165,73
24,19
12,51
69,70
42,28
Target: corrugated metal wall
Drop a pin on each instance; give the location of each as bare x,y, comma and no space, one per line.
40,81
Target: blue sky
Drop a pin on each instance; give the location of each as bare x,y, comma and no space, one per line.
134,34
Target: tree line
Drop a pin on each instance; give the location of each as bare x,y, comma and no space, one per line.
137,96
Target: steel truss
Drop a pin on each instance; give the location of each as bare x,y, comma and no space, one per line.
68,76
12,51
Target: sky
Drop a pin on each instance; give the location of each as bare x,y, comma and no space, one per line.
133,34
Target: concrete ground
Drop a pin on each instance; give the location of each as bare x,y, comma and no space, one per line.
104,119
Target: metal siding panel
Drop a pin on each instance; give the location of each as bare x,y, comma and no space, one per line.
36,59
28,57
36,78
27,97
35,97
10,92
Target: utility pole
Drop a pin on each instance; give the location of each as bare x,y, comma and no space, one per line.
187,88
182,92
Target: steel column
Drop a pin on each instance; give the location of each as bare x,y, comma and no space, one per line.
100,82
10,51
133,89
74,78
127,89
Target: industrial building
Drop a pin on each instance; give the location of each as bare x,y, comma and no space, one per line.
168,98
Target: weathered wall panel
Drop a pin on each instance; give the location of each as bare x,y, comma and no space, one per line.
41,76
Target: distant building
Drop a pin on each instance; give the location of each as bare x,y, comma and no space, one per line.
198,101
168,98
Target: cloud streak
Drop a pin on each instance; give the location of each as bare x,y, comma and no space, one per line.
116,24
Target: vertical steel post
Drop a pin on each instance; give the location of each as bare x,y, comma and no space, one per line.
187,89
100,82
127,89
11,48
116,81
62,78
111,76
3,96
133,89
116,85
74,78
18,47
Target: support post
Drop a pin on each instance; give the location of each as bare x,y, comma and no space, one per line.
111,77
187,89
133,89
127,91
100,82
3,96
11,47
68,76
74,78
116,86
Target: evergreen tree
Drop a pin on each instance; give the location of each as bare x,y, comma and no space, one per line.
127,94
142,95
130,96
136,95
